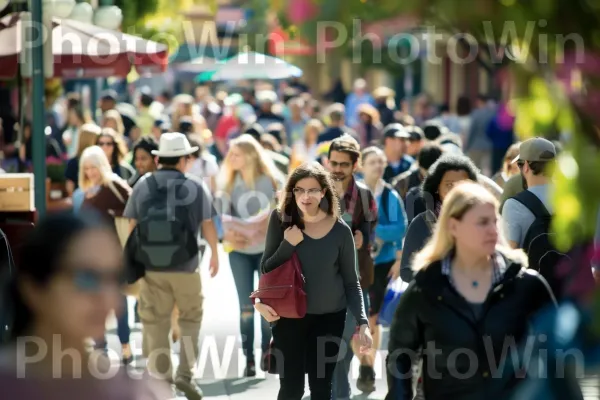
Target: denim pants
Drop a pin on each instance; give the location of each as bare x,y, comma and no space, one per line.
244,267
341,389
123,329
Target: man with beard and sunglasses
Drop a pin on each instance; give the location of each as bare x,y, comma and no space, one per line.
359,211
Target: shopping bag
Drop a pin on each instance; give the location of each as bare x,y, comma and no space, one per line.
390,301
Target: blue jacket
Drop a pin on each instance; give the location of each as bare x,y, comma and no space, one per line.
391,226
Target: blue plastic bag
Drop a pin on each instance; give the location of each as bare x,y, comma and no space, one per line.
390,301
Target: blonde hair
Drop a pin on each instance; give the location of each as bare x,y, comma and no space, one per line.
313,124
459,201
88,135
95,156
115,116
257,163
511,154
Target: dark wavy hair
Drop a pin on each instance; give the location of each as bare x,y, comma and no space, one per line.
41,257
447,162
288,211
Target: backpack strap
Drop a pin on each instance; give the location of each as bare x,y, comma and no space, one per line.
152,184
533,204
385,200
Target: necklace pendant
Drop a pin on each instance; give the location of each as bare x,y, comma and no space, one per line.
475,284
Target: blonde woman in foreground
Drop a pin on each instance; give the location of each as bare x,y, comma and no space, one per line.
471,297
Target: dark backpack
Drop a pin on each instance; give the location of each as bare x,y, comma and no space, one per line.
164,237
538,242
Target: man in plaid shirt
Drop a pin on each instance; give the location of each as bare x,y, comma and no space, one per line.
359,211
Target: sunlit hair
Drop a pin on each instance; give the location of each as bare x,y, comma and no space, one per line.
257,163
459,201
116,117
288,210
95,157
88,136
511,154
370,151
314,124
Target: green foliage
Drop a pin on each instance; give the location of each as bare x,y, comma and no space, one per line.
135,11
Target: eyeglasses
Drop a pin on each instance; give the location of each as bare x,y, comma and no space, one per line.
298,192
520,164
89,280
106,144
335,164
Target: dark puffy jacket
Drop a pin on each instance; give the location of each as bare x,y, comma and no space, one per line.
433,315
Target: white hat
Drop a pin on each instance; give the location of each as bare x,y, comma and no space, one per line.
174,144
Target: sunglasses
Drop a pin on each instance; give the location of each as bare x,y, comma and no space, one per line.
87,280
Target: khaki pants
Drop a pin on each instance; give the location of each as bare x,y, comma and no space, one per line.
160,292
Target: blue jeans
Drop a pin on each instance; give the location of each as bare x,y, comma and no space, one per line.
341,389
243,268
123,329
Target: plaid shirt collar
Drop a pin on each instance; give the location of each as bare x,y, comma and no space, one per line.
498,264
351,195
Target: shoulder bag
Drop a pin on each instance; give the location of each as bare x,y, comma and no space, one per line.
283,289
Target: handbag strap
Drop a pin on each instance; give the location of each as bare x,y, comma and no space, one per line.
113,188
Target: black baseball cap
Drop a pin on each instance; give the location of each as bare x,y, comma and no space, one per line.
395,131
416,134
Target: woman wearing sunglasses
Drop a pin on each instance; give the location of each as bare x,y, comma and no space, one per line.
67,282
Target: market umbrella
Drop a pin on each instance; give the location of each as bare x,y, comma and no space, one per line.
196,66
83,50
205,76
252,65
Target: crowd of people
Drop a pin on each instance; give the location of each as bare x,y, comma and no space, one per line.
363,192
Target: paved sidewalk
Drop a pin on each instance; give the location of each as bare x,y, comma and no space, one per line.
221,365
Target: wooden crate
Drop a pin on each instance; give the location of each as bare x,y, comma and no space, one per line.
16,192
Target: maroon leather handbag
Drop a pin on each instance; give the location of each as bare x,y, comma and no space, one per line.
283,289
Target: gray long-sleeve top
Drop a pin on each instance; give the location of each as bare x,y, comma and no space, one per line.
328,265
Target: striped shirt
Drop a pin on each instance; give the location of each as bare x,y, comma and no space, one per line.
498,268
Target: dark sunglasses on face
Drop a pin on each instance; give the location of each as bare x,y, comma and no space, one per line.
89,280
520,164
336,164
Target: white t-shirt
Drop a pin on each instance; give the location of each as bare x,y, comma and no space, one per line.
205,168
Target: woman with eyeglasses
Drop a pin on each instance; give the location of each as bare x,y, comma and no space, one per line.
67,282
115,149
249,183
106,194
469,308
308,222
